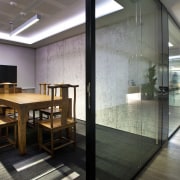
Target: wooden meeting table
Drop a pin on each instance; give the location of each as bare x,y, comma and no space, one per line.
23,103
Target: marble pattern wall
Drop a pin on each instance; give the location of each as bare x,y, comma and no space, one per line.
64,62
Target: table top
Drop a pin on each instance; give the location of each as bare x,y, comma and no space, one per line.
25,98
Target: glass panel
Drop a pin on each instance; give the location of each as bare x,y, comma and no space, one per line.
174,76
127,85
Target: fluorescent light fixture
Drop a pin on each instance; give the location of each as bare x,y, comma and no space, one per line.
170,44
25,25
104,8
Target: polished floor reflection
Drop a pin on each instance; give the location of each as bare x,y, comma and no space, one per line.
174,110
166,164
174,98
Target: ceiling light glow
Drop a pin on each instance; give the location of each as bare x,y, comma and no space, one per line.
104,8
60,27
19,39
108,6
170,44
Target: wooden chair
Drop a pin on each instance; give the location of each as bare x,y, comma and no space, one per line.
62,130
42,90
5,123
56,110
7,117
8,88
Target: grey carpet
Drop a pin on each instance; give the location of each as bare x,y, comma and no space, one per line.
67,162
117,157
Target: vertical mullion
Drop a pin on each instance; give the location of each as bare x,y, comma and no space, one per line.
90,90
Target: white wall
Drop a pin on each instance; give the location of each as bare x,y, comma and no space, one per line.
24,59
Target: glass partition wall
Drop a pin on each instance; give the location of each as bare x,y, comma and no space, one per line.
174,76
127,85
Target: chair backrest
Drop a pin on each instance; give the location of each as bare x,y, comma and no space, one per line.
44,88
8,87
65,94
64,104
58,92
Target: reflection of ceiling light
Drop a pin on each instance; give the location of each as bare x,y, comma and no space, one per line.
106,7
170,44
174,57
175,69
27,24
22,13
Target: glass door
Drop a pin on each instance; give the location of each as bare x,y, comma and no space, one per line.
174,76
127,81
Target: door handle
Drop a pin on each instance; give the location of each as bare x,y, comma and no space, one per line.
89,94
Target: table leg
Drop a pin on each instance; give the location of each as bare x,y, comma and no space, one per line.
22,119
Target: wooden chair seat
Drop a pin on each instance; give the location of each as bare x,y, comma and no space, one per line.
47,112
5,123
6,120
57,123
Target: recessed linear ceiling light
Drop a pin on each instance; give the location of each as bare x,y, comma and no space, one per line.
104,8
25,25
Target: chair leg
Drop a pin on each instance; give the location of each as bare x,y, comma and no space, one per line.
7,131
3,111
34,118
52,142
40,137
74,135
15,136
40,115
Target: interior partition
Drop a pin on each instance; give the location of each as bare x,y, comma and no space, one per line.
128,56
174,76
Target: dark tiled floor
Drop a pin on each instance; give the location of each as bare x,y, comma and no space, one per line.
73,160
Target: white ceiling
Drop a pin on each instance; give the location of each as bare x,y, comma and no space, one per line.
51,12
173,7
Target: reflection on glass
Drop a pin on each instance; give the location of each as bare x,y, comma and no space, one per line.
127,81
174,77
